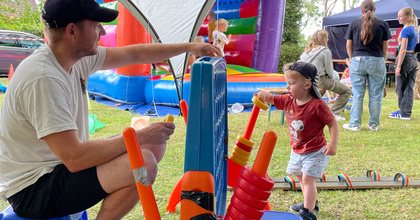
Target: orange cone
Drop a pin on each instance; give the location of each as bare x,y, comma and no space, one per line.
11,72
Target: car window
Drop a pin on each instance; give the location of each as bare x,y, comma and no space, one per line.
7,40
31,43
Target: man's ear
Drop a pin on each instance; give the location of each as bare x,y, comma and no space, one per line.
70,30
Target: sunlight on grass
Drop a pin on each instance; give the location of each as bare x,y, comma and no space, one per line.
394,148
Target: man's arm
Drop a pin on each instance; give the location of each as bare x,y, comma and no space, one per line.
152,53
77,155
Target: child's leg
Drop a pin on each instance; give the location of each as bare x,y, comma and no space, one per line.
310,193
313,165
328,94
299,177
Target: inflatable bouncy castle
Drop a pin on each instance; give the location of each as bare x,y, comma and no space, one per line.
251,55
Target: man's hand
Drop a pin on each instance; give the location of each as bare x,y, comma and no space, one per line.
204,49
154,136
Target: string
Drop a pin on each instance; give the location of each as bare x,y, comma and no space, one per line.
151,76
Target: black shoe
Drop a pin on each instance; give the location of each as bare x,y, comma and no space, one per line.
298,207
306,214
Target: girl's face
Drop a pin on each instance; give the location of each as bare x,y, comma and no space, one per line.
402,18
297,88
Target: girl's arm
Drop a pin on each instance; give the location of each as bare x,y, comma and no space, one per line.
349,47
329,68
401,55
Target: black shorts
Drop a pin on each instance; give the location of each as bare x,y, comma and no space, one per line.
59,193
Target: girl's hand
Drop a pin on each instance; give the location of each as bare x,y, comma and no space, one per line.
398,71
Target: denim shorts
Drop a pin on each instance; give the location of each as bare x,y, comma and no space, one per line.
312,164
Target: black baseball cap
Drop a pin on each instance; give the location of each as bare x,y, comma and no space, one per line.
60,13
308,71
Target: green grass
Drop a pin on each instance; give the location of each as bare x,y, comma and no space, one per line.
394,148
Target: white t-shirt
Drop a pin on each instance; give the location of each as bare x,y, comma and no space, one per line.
41,99
220,40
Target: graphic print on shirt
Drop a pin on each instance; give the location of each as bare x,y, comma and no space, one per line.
295,125
217,39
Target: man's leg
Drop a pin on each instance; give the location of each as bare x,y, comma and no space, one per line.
116,178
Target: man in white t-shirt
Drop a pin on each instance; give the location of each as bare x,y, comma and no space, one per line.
220,38
48,166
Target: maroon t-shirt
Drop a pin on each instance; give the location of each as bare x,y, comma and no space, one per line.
305,122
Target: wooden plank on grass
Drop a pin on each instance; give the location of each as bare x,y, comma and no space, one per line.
335,179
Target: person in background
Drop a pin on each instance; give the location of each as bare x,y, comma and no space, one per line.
417,83
367,45
211,26
331,99
406,69
192,58
318,54
220,38
307,115
48,166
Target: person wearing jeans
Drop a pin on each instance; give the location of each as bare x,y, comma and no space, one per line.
367,44
371,69
406,70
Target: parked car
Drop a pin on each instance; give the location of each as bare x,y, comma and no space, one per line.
16,46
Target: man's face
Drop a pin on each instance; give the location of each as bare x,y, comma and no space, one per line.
88,39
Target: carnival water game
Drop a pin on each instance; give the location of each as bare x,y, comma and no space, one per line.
142,84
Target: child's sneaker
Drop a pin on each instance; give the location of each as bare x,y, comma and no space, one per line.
307,215
351,128
395,114
298,207
374,127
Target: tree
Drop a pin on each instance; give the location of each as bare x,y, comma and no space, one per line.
311,13
292,21
24,18
292,38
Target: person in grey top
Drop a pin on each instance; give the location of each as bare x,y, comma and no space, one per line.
318,54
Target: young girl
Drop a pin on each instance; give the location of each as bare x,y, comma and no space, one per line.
406,70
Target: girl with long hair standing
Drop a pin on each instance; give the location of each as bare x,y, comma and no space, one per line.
367,45
406,69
